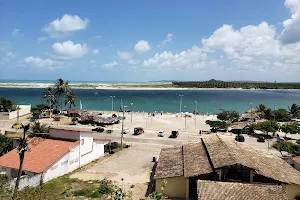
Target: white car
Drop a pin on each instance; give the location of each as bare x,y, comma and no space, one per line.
126,130
161,134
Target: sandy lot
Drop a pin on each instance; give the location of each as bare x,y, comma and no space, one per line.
132,164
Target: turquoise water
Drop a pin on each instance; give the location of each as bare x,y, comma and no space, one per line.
210,101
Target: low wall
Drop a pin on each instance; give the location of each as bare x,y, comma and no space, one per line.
27,181
24,110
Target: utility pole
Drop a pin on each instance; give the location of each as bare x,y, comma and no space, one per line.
180,102
251,112
131,111
123,107
185,117
196,114
112,103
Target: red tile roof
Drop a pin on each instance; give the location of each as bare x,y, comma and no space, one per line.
43,153
296,159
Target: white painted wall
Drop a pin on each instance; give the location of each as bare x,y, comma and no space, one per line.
24,110
74,159
65,134
27,181
296,165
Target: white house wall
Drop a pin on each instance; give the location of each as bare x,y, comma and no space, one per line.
24,110
73,160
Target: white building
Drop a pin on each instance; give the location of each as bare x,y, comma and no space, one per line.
65,150
24,110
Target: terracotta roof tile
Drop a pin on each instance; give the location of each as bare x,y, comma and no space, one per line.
212,190
43,153
296,159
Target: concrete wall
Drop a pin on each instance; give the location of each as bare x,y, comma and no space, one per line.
292,190
24,110
27,181
65,134
176,187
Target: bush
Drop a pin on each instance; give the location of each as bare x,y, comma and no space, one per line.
106,186
289,147
83,192
6,144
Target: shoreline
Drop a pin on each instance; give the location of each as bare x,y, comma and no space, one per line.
121,87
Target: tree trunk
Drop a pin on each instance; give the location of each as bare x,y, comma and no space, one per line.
19,174
61,104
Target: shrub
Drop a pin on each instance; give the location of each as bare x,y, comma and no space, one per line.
289,147
83,192
106,186
94,194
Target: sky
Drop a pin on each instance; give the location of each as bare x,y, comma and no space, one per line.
150,40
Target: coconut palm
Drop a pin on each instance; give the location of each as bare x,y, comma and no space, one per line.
49,95
70,99
61,89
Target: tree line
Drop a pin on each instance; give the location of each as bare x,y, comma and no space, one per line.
244,85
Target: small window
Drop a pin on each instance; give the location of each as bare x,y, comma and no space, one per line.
82,141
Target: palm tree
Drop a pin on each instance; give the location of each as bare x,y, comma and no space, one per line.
61,89
49,95
70,99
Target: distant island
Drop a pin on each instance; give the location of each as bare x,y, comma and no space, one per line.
235,84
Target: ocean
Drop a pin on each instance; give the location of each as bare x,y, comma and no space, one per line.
208,101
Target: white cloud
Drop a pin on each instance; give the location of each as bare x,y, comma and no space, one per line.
17,33
8,56
125,55
191,58
133,61
41,39
167,40
69,50
96,51
65,25
43,63
92,62
110,65
98,36
291,31
142,46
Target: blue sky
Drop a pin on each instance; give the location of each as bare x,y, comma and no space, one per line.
150,40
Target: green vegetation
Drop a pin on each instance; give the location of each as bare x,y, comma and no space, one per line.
7,105
281,115
37,127
217,125
6,144
61,89
231,115
244,85
266,126
70,99
49,95
38,110
291,148
290,128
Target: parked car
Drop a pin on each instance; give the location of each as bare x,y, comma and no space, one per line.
161,134
98,129
240,138
261,139
174,134
17,126
126,130
138,131
280,139
298,141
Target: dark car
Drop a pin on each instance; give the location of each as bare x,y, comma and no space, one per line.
240,138
174,134
261,139
138,131
98,129
298,141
